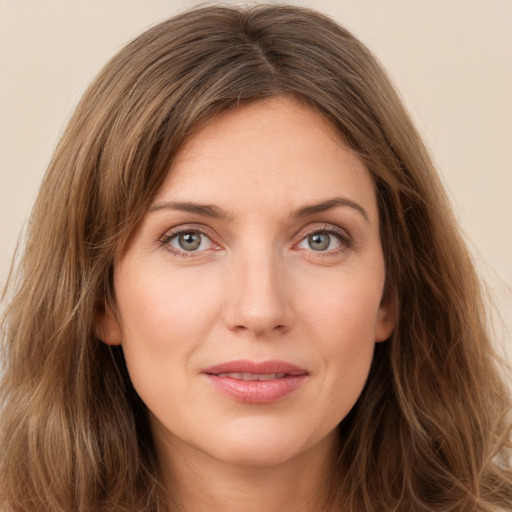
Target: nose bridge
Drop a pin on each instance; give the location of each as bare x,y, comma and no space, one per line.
259,300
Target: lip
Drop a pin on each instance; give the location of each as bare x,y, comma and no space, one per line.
288,379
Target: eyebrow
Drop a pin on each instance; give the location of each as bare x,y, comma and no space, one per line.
215,212
330,204
205,210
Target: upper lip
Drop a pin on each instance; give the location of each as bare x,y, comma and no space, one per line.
257,368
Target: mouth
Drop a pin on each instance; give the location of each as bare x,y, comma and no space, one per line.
256,383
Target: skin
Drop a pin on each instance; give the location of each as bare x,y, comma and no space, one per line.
259,287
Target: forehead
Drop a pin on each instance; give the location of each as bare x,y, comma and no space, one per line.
275,152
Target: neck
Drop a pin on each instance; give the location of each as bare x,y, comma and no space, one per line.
204,484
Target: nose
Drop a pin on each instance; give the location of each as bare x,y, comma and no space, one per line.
259,297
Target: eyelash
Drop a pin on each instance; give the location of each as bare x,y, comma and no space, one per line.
344,238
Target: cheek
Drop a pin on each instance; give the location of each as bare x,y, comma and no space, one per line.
164,318
342,320
345,307
156,305
350,342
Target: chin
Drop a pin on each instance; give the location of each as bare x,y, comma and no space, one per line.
257,453
264,447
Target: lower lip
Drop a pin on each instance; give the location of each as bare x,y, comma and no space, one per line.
257,391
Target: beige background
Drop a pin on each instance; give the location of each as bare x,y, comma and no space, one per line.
451,60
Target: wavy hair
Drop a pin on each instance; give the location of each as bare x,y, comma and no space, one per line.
431,430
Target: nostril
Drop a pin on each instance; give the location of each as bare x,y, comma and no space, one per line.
241,327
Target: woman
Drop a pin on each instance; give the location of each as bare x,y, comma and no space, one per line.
243,289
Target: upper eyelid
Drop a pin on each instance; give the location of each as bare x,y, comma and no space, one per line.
325,227
184,228
203,228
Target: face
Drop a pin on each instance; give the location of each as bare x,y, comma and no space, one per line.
249,300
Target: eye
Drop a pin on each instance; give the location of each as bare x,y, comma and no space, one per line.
323,241
188,241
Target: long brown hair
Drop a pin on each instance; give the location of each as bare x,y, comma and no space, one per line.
431,430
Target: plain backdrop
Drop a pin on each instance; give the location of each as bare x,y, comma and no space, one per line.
450,59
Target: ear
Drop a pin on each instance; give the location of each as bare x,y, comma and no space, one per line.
386,318
107,327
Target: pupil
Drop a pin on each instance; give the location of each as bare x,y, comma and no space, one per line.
319,241
189,241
